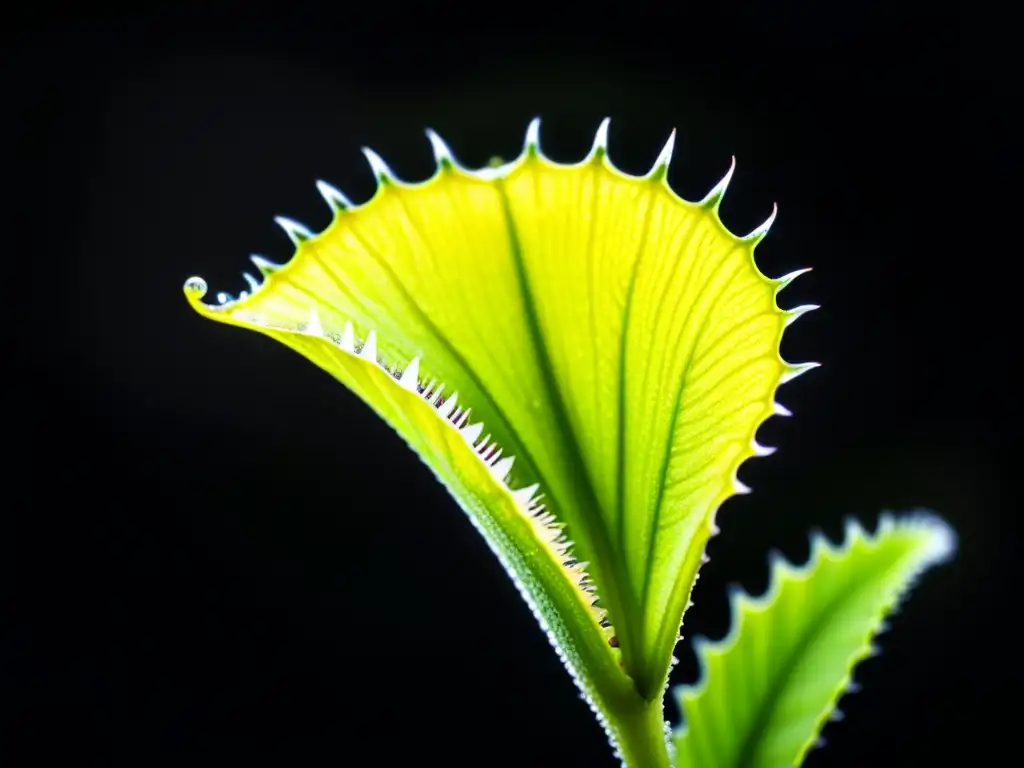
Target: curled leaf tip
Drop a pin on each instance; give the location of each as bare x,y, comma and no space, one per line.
195,288
941,540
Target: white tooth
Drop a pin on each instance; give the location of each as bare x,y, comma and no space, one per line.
410,376
714,197
223,298
348,338
265,266
377,165
252,281
780,410
525,495
665,157
798,370
437,395
785,280
501,469
740,488
313,326
441,151
792,315
296,232
369,351
449,405
533,134
761,230
334,198
762,450
601,138
472,432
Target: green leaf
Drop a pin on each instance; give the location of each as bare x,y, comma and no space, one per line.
615,339
770,686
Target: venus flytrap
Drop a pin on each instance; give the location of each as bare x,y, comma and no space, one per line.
583,359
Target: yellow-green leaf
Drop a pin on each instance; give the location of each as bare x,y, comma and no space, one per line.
615,339
770,686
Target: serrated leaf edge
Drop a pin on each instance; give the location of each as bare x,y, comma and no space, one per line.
943,545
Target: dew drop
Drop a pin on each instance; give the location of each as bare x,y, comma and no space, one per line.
196,286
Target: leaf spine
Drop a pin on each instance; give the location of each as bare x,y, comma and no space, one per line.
297,233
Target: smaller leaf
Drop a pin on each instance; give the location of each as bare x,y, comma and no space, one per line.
769,687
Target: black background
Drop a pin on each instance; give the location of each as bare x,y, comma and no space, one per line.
230,557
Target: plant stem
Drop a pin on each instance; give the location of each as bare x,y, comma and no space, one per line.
640,729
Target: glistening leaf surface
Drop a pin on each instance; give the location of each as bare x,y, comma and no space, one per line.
617,340
770,686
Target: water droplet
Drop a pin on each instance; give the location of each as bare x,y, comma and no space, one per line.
195,286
